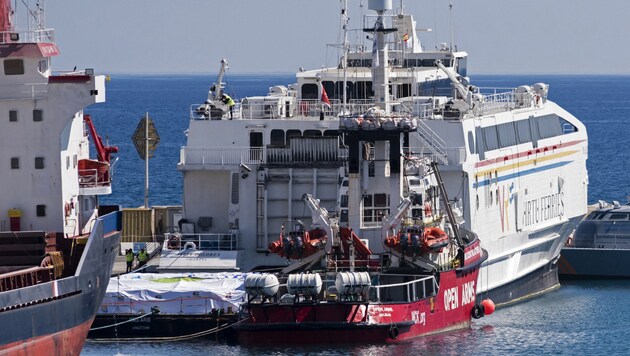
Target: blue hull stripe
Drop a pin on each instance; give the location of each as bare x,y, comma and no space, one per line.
521,174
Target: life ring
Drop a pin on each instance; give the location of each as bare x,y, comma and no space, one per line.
427,209
66,209
393,332
477,311
190,246
569,242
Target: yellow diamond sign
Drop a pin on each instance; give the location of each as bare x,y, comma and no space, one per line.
145,134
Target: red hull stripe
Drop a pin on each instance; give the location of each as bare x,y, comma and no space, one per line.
69,79
507,158
66,342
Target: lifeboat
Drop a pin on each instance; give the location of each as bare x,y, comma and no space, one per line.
416,241
298,244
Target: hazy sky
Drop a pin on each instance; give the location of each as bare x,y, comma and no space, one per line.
262,36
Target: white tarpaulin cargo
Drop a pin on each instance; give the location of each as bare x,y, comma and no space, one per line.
174,293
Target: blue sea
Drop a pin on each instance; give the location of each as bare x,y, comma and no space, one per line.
580,318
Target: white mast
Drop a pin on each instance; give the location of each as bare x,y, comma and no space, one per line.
344,20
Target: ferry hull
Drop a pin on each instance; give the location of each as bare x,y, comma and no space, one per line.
531,285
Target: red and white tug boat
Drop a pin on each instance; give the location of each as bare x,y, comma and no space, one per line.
344,293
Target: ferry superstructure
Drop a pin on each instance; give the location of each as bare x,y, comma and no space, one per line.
57,246
513,162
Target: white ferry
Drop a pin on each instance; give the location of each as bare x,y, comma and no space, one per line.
513,162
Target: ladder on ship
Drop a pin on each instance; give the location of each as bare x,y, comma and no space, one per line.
432,142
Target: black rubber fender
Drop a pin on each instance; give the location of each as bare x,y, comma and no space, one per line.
393,332
477,311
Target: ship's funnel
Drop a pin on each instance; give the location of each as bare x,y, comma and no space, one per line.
380,5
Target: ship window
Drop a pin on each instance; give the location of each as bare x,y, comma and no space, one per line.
349,90
618,216
38,115
15,163
310,91
331,133
567,127
549,126
42,67
490,138
507,134
534,131
471,143
312,133
404,90
523,131
39,162
343,217
364,90
13,115
234,188
480,149
277,137
13,66
41,210
367,200
293,133
344,201
330,89
380,200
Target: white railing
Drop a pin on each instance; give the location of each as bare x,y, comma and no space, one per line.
202,241
417,289
303,151
221,155
27,36
451,155
90,178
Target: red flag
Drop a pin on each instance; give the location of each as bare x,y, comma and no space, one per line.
325,97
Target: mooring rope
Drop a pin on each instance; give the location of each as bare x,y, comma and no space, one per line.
173,338
124,322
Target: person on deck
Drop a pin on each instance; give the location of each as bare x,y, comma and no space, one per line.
129,256
143,257
227,100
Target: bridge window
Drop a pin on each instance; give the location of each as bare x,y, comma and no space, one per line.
13,115
293,133
15,163
310,91
277,137
13,66
312,133
364,90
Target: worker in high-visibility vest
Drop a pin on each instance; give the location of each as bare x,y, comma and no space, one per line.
143,257
227,100
129,256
